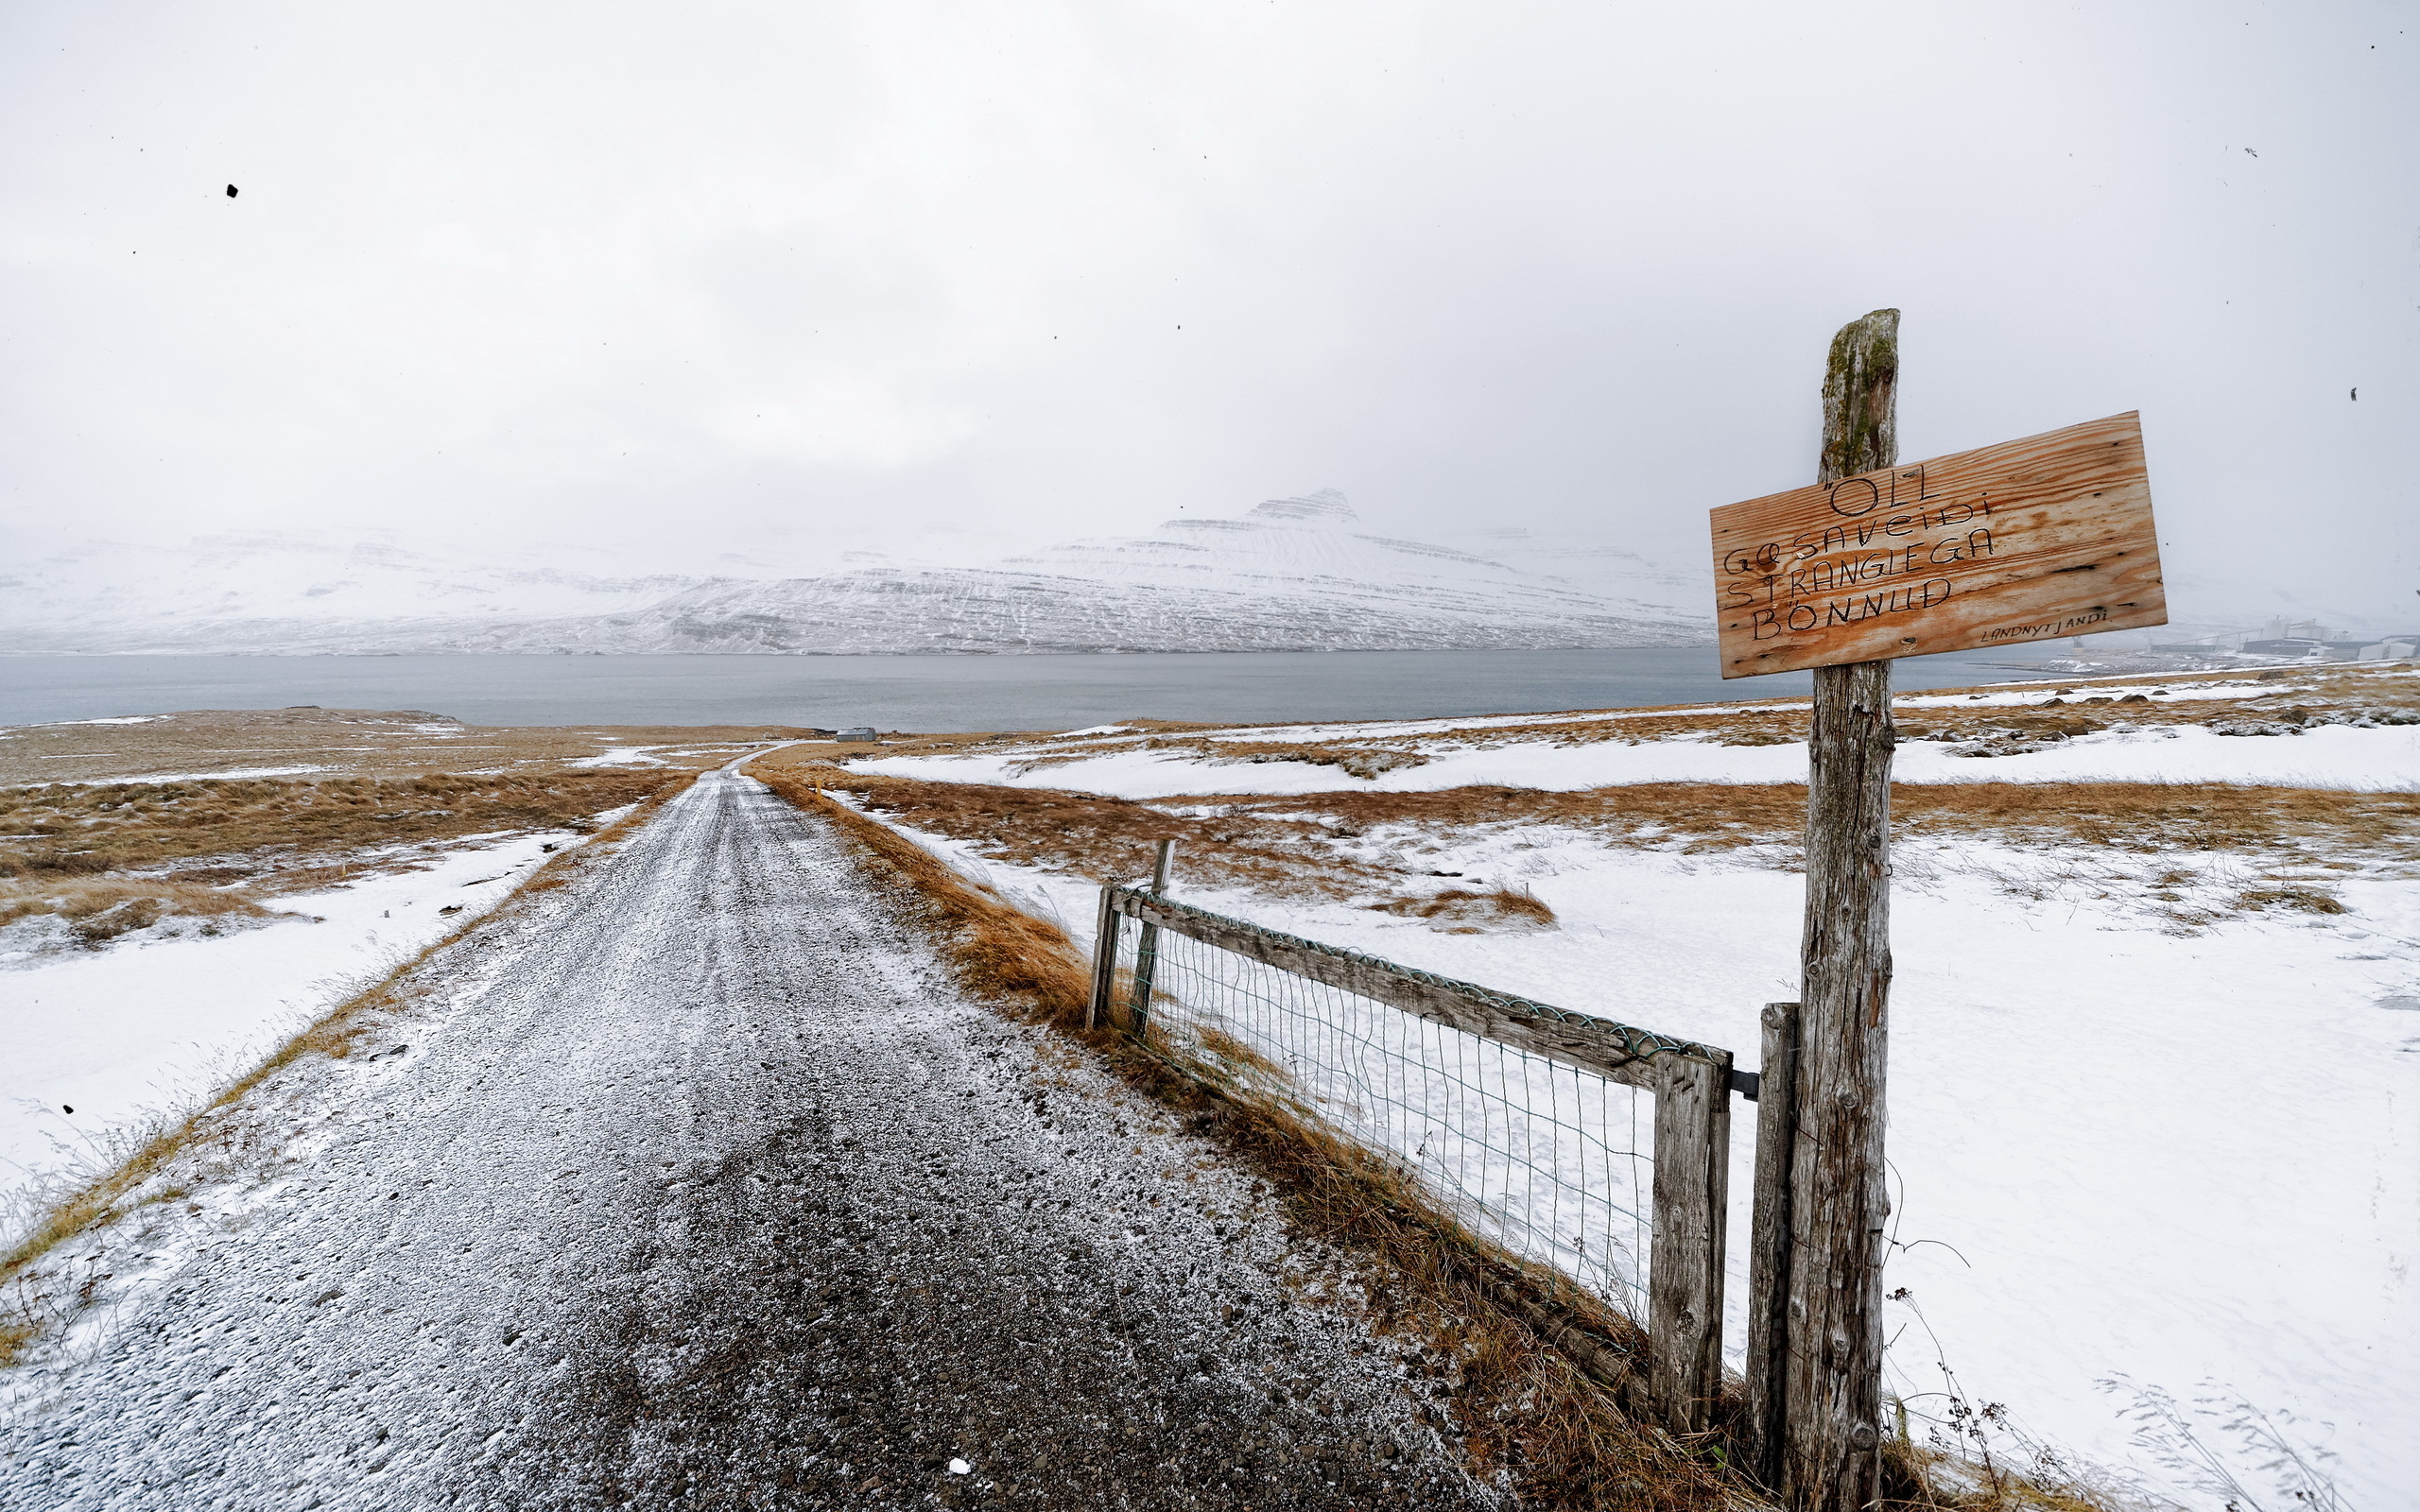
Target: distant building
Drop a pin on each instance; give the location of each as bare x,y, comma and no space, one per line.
2284,629
2293,645
859,733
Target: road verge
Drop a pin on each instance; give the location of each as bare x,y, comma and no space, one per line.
36,1298
1545,1383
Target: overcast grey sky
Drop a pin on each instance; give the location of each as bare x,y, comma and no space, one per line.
794,276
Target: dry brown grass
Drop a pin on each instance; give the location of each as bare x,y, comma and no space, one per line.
1102,839
336,1035
1317,846
344,741
1952,1476
1538,1371
1462,911
277,830
2050,711
104,909
2129,817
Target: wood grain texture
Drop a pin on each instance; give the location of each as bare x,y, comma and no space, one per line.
1106,929
1832,1377
1574,1045
1766,1371
1684,1263
1146,948
1838,1202
2025,541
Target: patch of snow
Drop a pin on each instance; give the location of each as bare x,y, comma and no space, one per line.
46,934
622,756
120,720
2036,694
2333,757
122,1033
230,775
1377,729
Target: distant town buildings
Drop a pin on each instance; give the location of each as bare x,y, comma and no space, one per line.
2302,638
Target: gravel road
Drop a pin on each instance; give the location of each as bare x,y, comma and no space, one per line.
704,1184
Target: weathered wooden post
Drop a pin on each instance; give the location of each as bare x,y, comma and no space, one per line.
1147,946
1104,959
1768,1376
2025,541
1837,1199
1692,1194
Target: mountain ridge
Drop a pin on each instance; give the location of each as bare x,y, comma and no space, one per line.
1293,573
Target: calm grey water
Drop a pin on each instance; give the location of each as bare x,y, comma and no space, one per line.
917,693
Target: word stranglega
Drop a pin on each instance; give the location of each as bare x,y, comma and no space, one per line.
2047,536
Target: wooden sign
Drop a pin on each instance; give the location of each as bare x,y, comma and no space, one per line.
2027,541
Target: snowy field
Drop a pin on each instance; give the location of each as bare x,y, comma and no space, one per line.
144,1026
2188,1159
2335,757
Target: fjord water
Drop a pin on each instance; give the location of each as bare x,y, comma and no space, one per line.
915,693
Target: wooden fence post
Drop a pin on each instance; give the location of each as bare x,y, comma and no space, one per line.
1104,958
1684,1264
1147,946
1769,1247
1837,1201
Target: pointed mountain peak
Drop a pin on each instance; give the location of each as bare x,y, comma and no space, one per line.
1327,506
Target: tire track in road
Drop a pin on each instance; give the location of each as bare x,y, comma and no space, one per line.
716,1190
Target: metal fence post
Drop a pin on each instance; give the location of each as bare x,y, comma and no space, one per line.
1767,1430
1684,1264
1104,958
1147,946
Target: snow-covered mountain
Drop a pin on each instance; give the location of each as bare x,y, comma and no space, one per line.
1296,573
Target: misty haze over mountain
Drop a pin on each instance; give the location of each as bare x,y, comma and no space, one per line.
1296,574
514,284
1293,573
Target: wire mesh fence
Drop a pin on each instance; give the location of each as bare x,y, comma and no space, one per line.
1551,1162
1594,1151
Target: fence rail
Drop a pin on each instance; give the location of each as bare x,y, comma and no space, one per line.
1512,1107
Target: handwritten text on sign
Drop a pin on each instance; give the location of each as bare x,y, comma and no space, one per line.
2025,541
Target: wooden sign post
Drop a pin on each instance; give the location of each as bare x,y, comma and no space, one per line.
2050,536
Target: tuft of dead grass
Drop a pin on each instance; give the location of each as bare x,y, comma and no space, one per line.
336,1035
99,910
1462,911
2305,900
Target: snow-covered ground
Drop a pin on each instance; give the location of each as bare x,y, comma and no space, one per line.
124,1033
2190,1158
2332,756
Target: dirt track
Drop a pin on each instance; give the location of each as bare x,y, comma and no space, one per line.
706,1186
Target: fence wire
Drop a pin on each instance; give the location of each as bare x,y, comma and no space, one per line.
1551,1162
